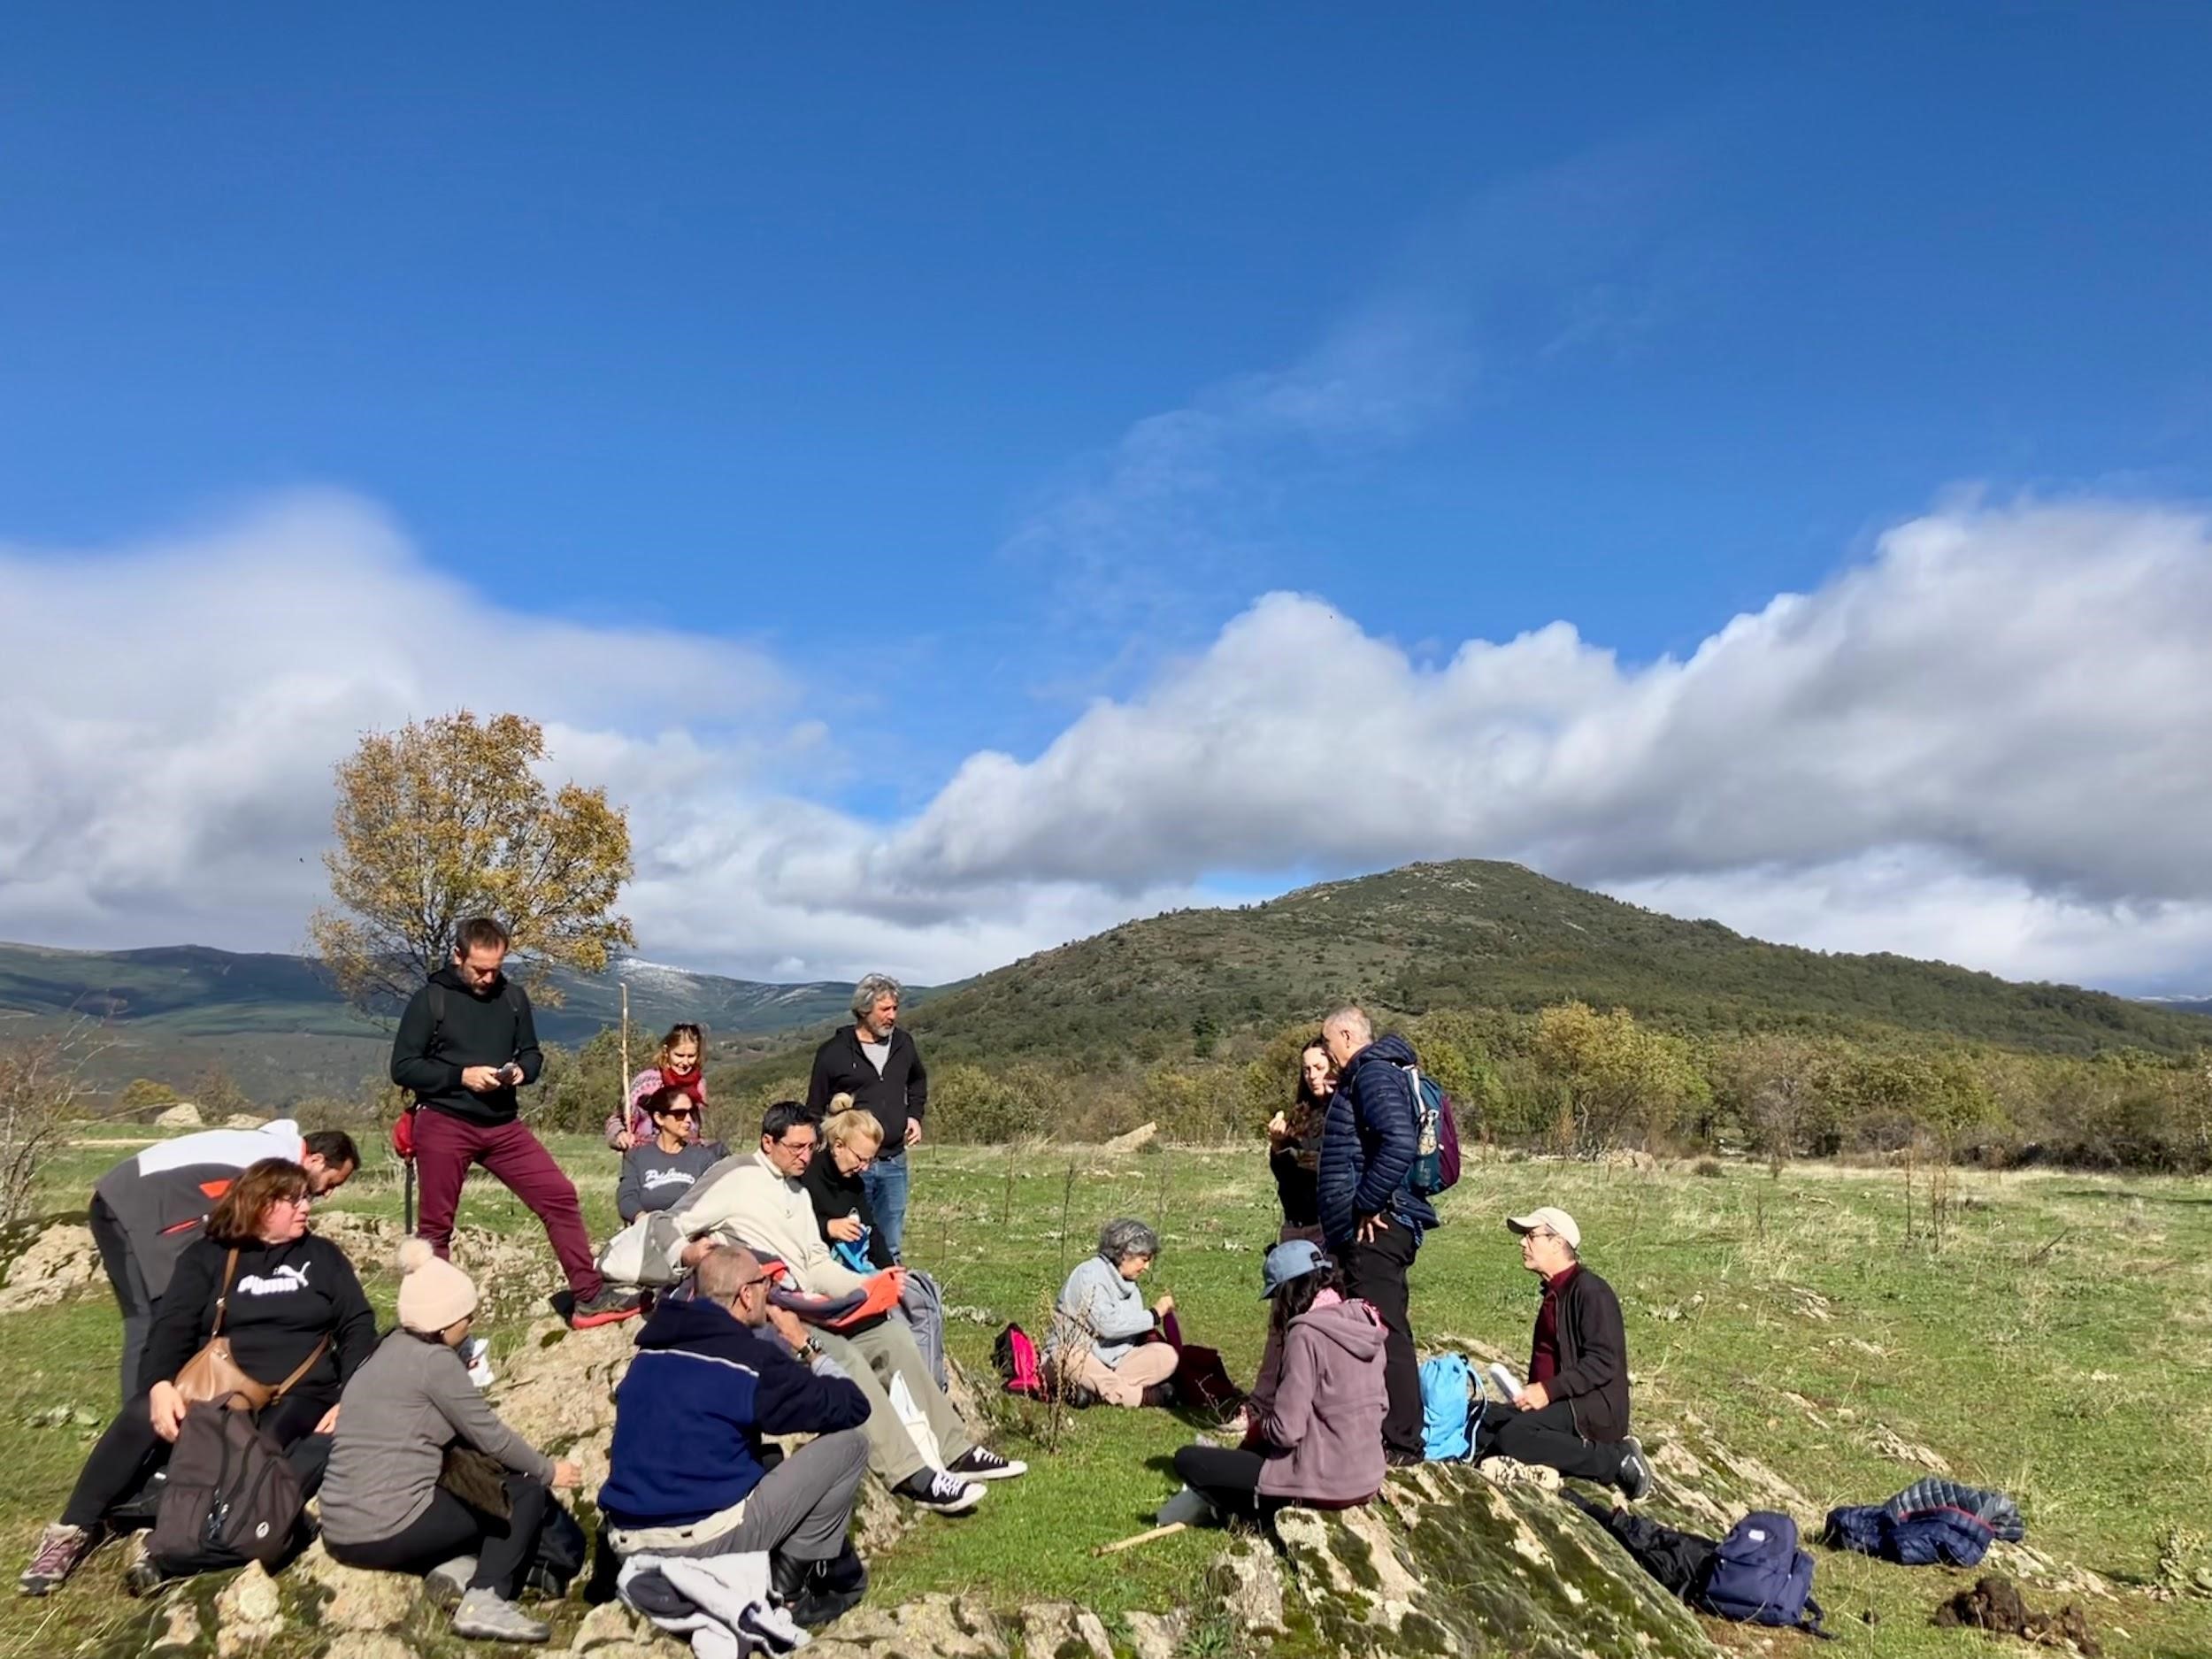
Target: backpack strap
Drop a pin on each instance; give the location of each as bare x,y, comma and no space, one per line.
1809,1621
300,1371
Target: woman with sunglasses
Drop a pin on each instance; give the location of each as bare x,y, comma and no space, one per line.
658,1171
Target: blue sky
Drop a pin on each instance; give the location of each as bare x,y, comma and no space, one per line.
962,370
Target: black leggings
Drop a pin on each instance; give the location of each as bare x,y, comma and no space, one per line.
1227,1477
503,1549
129,1452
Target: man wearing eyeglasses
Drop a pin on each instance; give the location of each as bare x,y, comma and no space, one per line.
760,1201
686,1477
1573,1414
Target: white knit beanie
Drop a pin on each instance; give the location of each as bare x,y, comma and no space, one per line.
433,1295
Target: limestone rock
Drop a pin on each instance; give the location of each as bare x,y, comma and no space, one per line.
183,1115
1529,1576
244,1120
358,1644
1503,1472
934,1627
611,1630
1157,1636
1130,1142
359,1601
1060,1630
248,1612
61,1262
184,1626
1249,1584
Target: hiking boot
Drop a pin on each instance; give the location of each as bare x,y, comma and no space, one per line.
981,1463
604,1307
447,1582
1159,1395
144,1575
788,1578
1634,1479
1186,1508
935,1489
61,1550
483,1616
846,1573
818,1605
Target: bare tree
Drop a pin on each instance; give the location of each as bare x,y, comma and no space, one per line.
43,1089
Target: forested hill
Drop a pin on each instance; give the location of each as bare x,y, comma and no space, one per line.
1473,934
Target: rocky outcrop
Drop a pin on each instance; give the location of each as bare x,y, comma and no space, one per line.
60,1262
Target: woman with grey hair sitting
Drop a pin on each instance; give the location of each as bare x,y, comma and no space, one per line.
1098,1349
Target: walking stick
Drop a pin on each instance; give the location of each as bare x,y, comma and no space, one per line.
407,1188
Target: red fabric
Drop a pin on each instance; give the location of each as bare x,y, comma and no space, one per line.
1543,1360
692,1083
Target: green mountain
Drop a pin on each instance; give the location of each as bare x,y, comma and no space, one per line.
275,1024
1474,935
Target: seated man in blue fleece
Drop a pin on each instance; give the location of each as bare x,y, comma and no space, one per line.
687,1473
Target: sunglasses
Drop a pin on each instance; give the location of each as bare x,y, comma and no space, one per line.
686,1113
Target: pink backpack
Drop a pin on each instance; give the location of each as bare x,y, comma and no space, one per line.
1016,1359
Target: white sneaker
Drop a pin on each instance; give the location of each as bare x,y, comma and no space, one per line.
476,1354
1186,1508
483,1616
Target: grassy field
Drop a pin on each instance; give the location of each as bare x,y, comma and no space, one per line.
2058,1343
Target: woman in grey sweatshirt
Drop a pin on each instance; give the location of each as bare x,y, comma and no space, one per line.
1096,1351
382,1504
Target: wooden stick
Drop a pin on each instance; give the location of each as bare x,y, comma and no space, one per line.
622,1088
1115,1548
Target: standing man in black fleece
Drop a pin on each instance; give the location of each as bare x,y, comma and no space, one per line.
875,1062
1371,1215
465,1043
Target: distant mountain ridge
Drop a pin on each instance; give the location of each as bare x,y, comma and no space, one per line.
1471,935
196,991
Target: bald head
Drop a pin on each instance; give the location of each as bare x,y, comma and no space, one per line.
1345,1033
730,1275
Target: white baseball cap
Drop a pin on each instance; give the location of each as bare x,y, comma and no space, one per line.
1556,1220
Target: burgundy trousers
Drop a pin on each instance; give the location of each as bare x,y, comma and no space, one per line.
444,1148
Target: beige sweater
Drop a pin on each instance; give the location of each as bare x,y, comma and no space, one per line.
746,1200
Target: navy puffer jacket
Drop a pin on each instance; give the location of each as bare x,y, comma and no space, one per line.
1367,1145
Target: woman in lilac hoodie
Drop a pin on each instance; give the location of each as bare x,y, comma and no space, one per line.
1317,1434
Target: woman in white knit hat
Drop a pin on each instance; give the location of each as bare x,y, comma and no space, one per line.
382,1506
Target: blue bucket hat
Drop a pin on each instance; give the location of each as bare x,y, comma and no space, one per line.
1286,1262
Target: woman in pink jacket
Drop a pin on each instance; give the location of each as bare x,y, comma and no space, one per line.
682,1064
1317,1427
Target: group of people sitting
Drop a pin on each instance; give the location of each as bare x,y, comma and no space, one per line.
785,1311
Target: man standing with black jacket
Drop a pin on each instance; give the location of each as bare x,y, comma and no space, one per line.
1371,1215
1573,1414
466,1042
875,1062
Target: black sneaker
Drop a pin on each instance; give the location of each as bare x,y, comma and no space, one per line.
818,1605
605,1307
1159,1395
981,1463
1635,1477
935,1489
846,1573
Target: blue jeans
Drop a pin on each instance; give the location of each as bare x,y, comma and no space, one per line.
885,1183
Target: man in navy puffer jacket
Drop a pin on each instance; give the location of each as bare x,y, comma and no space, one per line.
685,1473
1370,1217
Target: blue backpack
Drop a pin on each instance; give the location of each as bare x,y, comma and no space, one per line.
1447,1390
1760,1576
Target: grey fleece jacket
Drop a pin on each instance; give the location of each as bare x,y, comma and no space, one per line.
398,1416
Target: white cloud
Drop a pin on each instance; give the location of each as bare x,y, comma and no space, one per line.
1987,743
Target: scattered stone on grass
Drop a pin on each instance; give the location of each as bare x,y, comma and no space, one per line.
61,1262
183,1115
1139,1136
1061,1630
1888,1442
366,1644
1157,1635
1995,1604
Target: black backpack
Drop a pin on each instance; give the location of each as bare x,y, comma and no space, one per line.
231,1497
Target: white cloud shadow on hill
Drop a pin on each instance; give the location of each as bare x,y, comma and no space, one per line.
1987,743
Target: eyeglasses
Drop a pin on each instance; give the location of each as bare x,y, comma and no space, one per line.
798,1148
301,1202
686,1113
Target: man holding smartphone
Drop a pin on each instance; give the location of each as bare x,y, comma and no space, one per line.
465,1044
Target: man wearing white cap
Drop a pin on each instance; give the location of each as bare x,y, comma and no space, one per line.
1573,1414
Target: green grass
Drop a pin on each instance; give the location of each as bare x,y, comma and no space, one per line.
2058,1345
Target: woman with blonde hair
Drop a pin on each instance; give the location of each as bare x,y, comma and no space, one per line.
851,1137
680,1064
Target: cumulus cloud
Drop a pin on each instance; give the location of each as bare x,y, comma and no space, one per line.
2021,694
171,711
1986,742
